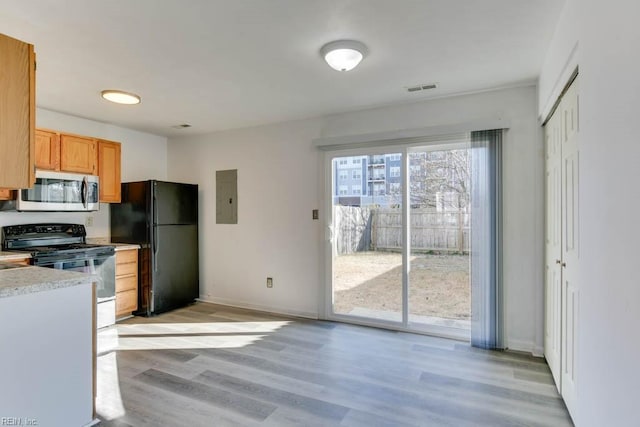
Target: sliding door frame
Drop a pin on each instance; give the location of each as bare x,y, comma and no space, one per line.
404,149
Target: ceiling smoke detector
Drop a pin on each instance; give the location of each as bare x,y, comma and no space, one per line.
181,126
418,88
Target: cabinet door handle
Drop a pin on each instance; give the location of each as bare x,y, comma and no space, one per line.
564,264
558,261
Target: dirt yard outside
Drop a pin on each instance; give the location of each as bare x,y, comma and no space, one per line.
438,284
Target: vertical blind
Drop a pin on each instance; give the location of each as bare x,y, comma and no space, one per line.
486,239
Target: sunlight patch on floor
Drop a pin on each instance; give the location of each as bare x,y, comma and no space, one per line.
199,328
181,342
110,404
174,336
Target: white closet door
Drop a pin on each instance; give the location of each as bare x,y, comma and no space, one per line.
553,269
570,244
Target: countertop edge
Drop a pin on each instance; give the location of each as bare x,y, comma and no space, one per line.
30,280
117,246
9,256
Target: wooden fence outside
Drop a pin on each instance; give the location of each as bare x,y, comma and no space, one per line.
360,229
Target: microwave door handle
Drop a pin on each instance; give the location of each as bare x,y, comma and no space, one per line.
85,192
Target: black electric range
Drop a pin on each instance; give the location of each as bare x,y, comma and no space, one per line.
65,247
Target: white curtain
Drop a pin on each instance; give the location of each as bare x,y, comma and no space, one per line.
486,239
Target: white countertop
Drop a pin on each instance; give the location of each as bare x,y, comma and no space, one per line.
28,280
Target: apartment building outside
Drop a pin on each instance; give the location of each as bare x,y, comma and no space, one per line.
437,179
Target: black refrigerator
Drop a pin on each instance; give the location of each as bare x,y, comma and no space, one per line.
161,217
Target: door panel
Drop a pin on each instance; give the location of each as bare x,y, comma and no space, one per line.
175,268
109,171
78,154
571,244
439,294
227,197
175,203
367,242
553,269
47,150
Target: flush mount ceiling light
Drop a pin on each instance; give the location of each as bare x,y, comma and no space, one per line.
343,55
120,97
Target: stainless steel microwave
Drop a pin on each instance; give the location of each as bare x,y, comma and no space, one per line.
60,191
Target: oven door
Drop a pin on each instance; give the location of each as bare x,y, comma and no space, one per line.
58,191
102,266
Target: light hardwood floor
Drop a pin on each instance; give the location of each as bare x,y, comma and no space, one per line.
210,365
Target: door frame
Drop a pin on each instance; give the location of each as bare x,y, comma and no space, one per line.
326,296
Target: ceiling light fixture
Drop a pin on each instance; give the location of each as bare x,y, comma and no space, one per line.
120,97
343,55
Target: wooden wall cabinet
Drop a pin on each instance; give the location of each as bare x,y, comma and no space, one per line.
126,282
109,171
47,150
17,113
63,152
78,154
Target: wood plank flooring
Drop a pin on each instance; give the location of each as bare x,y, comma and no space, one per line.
210,365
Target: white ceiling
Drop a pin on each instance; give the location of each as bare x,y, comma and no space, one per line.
221,64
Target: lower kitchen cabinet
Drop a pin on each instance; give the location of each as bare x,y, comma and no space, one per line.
6,194
126,282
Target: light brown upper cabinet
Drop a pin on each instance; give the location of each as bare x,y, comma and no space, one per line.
47,150
78,154
109,171
17,113
64,152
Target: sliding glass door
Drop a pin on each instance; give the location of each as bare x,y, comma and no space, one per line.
400,238
367,243
439,229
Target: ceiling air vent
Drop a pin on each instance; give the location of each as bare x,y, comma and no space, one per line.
181,126
418,88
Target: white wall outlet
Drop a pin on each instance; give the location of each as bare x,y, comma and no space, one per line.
89,221
269,282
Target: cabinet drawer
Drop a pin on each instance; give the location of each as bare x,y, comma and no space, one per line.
6,194
126,283
126,302
124,257
126,269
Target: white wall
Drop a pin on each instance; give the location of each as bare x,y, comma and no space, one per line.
275,235
279,173
144,156
607,35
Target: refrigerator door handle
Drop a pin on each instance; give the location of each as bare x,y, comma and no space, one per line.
155,248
